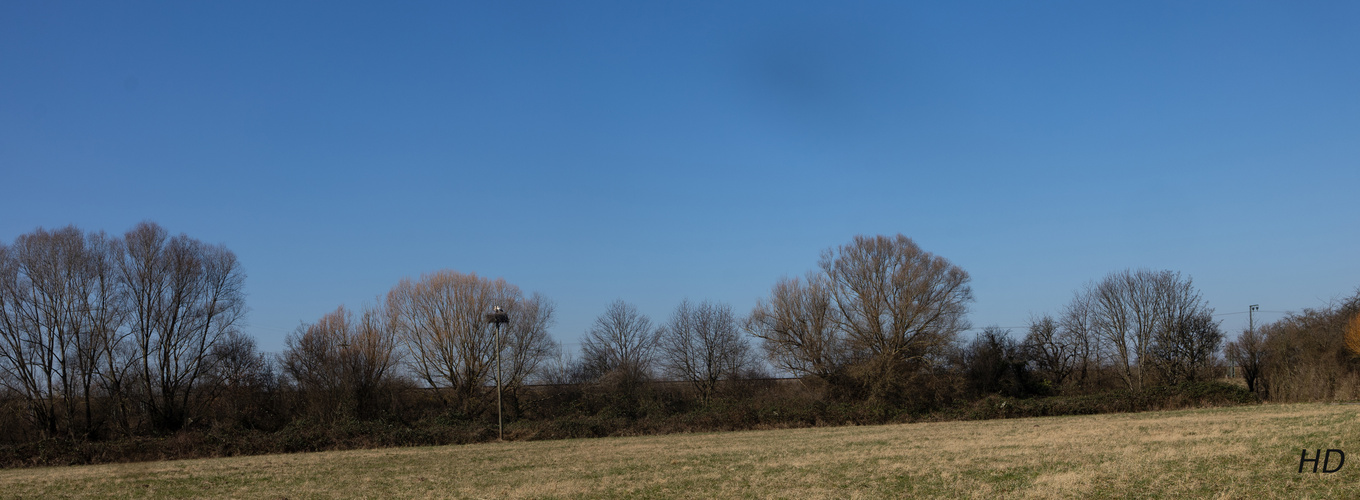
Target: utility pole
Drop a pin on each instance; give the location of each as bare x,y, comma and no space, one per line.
498,317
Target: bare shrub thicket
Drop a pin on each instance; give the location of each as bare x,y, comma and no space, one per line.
1304,357
995,363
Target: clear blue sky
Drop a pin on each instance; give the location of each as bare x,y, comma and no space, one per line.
656,151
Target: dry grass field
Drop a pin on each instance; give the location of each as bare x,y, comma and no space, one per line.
1240,452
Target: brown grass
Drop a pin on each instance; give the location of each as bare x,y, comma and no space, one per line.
1242,452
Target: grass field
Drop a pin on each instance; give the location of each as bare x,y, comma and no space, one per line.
1240,452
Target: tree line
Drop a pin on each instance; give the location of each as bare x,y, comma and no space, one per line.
101,333
103,337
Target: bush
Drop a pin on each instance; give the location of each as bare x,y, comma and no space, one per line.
583,415
1185,395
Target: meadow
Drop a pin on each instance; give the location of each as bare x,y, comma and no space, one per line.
1237,452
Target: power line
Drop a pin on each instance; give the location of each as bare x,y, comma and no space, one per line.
1245,312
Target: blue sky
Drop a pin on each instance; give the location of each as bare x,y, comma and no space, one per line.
596,151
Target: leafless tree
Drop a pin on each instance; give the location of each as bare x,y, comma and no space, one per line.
1077,328
441,322
1184,348
370,358
1115,305
561,369
245,382
106,350
1053,353
702,344
897,303
620,345
1139,316
184,296
797,330
310,360
1249,352
341,363
526,344
239,365
89,323
59,315
29,349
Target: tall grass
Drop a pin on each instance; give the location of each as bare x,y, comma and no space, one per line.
1239,452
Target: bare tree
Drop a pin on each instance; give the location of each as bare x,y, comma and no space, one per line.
1139,316
620,345
561,369
702,344
184,296
1249,353
105,350
341,363
1185,346
370,358
239,365
441,321
1077,327
29,352
880,304
36,335
311,361
245,381
897,303
526,344
1114,308
1052,352
797,330
59,315
88,321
